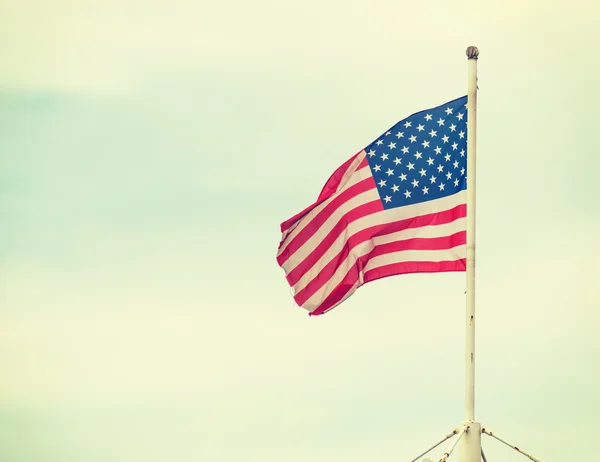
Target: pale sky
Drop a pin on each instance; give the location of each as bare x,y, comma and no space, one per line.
149,151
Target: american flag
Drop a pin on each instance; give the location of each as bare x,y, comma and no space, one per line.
396,207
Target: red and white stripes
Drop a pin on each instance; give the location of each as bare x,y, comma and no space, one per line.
347,238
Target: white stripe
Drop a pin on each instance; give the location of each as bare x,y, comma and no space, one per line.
355,178
318,297
300,254
351,169
426,232
378,218
453,254
367,246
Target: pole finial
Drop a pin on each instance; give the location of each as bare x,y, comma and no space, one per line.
472,53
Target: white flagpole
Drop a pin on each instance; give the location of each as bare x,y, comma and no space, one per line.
471,448
470,435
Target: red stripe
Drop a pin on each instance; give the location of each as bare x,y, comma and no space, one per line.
333,183
363,163
328,190
355,214
338,293
323,215
331,267
414,267
421,243
389,270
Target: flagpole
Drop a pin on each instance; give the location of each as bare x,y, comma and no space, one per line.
470,435
471,448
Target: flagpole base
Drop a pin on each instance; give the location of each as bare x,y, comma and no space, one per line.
470,447
469,440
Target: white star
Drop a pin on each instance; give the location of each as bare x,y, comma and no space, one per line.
382,183
425,190
420,127
407,194
440,168
407,124
445,138
387,198
418,155
448,111
392,145
389,172
379,142
448,175
455,164
404,149
438,150
415,183
432,179
430,161
400,134
462,153
432,133
428,117
413,138
456,182
377,168
425,144
402,177
454,146
442,186
440,122
384,156
388,133
461,134
397,161
452,128
447,157
462,171
460,115
411,166
423,172
395,188
371,153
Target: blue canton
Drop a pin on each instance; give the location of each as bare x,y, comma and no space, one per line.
423,157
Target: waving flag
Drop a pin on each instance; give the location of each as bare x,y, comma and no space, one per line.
396,207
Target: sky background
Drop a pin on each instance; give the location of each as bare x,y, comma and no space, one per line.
149,151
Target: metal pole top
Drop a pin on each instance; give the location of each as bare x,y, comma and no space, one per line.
472,52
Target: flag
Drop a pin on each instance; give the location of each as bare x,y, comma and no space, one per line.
396,207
